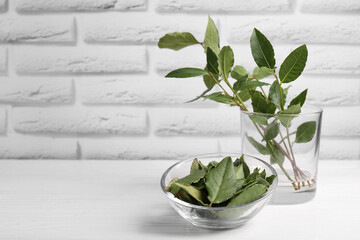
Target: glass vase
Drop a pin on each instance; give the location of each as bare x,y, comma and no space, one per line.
290,142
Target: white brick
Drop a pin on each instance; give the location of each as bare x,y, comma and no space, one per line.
334,59
223,6
320,6
147,148
36,90
78,5
3,120
21,147
341,121
167,60
138,27
2,5
3,61
203,122
69,120
339,148
36,29
296,29
68,60
326,91
141,90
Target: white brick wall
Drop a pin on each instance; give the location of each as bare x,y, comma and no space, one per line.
35,29
83,79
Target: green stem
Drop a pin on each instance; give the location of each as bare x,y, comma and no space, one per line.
281,167
290,146
283,138
281,95
225,92
235,93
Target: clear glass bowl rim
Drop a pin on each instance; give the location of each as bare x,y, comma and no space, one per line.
186,204
313,110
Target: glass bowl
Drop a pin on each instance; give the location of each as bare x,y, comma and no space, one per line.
217,217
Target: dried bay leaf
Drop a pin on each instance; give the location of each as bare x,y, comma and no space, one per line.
221,181
249,195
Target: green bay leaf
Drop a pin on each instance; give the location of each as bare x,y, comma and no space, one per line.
270,179
262,50
193,177
262,72
212,62
177,40
259,103
244,95
276,156
271,131
250,194
293,65
197,194
258,146
275,96
186,73
221,98
252,85
261,119
194,166
226,61
305,132
291,110
221,181
212,37
239,72
299,99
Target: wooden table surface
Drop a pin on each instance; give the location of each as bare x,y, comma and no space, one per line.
80,199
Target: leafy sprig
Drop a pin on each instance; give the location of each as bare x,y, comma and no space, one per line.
238,86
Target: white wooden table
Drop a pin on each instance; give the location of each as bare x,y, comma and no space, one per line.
77,199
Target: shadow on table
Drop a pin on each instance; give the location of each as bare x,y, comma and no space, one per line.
168,222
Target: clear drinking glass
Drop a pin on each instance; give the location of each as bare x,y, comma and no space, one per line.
290,143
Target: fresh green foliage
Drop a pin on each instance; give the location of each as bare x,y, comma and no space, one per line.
262,50
261,148
265,87
271,131
260,104
197,194
226,183
177,40
194,177
220,181
305,132
257,118
212,62
221,98
299,99
186,73
276,156
277,97
293,65
226,61
212,37
262,72
239,72
285,116
251,85
249,194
